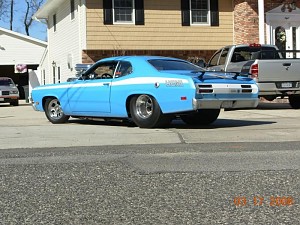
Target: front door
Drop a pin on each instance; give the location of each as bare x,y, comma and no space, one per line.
283,29
91,94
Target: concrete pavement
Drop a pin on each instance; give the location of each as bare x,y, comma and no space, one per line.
22,127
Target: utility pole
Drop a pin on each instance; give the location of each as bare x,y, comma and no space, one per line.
11,14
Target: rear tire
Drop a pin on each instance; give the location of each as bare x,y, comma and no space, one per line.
54,112
146,112
201,117
294,101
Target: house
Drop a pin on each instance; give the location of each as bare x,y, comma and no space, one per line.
84,31
18,55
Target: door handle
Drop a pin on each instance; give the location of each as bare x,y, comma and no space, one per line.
287,64
106,84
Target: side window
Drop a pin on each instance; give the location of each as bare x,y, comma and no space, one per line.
104,70
215,59
124,68
223,56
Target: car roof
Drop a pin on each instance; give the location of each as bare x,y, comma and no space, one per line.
137,57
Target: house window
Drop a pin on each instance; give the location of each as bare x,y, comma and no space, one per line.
123,11
54,22
199,11
72,3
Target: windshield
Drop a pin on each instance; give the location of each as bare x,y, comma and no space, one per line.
168,64
6,82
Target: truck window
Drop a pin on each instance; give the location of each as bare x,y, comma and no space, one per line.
223,56
214,60
252,53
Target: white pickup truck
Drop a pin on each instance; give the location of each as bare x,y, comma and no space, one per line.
275,75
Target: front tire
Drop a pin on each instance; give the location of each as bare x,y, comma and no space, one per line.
146,113
15,103
54,112
201,117
294,101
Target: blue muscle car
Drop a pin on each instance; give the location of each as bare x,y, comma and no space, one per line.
148,90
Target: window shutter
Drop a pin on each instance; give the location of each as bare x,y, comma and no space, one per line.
139,12
107,12
185,12
214,12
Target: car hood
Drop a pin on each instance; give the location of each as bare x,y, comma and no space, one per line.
7,88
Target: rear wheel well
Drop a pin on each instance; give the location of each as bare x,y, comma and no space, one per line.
128,102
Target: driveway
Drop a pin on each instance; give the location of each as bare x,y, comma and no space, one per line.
22,127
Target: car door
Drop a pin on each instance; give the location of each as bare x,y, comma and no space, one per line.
218,61
91,93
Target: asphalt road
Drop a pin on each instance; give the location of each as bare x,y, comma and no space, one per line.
243,169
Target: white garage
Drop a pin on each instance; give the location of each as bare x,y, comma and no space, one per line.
18,55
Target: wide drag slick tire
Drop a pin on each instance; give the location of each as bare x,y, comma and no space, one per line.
54,112
294,101
201,117
146,113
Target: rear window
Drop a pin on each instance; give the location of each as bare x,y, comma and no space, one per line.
165,64
252,53
6,82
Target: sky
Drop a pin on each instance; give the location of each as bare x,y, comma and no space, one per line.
37,29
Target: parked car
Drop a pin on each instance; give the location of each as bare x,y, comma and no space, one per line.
276,76
8,91
149,90
72,79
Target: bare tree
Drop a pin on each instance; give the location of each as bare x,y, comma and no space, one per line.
32,6
4,9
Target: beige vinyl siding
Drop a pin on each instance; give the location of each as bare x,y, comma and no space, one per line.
162,29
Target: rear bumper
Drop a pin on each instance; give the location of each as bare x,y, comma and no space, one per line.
225,103
271,89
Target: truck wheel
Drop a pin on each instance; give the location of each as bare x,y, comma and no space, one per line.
146,113
54,112
201,117
294,101
15,103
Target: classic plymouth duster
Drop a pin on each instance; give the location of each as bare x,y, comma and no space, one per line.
148,90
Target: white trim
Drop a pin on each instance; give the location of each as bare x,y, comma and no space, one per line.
23,36
261,21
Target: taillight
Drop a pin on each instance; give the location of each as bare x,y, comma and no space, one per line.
254,71
254,45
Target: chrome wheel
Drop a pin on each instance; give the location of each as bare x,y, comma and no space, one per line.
144,106
146,113
54,111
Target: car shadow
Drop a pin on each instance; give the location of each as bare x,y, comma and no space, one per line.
102,122
176,123
219,123
271,105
